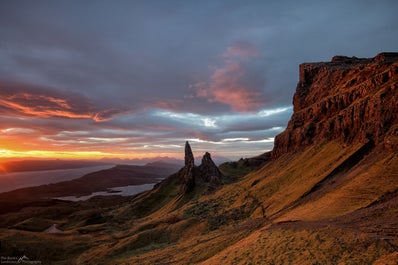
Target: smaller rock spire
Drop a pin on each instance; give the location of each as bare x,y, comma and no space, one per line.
209,170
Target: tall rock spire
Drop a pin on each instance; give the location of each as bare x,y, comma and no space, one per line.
188,177
189,159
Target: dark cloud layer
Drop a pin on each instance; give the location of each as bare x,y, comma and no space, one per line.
141,76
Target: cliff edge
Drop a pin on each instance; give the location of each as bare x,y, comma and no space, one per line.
349,99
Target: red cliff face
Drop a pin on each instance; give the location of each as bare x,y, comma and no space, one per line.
348,99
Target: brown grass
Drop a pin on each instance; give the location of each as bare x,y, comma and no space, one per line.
290,211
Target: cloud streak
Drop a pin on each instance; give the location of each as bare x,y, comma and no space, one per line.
234,83
30,101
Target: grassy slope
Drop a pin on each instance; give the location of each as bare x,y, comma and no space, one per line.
239,223
298,209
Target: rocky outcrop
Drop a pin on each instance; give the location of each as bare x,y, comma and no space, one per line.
207,174
189,159
348,99
188,171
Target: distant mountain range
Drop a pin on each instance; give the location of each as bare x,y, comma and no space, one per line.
55,164
142,161
52,164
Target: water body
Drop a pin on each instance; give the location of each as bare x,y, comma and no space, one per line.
17,180
122,191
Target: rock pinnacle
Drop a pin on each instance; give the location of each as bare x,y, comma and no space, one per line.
189,159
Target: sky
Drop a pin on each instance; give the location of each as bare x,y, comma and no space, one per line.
130,79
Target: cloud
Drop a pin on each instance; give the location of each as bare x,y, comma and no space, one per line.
27,104
242,49
16,131
108,114
255,126
235,82
147,131
103,82
30,101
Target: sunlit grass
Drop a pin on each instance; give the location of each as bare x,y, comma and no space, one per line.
236,224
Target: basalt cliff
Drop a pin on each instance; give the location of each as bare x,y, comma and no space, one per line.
348,99
326,194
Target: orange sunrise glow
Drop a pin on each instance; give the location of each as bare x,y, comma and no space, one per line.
6,154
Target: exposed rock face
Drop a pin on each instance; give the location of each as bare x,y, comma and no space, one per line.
207,173
348,99
189,159
188,171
